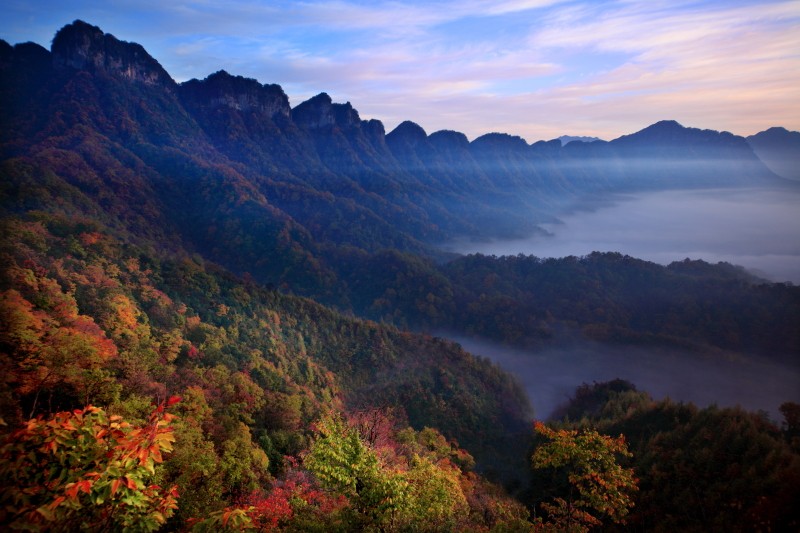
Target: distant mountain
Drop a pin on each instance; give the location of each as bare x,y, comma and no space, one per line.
667,154
566,139
779,149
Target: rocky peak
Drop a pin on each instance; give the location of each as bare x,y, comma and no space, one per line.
236,92
315,113
320,112
448,140
345,116
29,55
408,133
662,130
779,149
374,131
85,47
549,148
775,134
373,128
566,139
670,134
6,51
500,141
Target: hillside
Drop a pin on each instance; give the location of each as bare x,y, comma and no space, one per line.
779,149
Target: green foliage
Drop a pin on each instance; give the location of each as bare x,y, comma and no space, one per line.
436,499
344,464
608,400
699,469
226,520
406,480
84,470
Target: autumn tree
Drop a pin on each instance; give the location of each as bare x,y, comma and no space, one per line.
597,486
84,470
49,349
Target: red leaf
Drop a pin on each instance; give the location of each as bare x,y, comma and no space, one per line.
57,502
71,492
173,400
115,486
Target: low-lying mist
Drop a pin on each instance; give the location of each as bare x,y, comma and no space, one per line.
551,375
755,228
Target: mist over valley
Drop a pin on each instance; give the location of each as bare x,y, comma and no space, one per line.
758,229
551,374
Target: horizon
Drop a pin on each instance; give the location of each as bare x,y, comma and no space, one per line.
541,69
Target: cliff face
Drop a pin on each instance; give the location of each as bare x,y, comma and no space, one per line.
315,113
238,93
85,47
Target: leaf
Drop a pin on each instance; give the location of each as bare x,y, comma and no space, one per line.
226,516
115,486
173,400
58,501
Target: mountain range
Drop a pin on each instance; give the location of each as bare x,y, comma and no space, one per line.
302,179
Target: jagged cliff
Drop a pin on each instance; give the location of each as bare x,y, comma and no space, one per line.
85,47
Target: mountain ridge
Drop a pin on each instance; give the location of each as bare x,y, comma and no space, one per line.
229,154
315,176
779,149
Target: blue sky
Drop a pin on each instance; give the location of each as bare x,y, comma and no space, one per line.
534,68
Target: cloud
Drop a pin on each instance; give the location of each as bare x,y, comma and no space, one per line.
716,65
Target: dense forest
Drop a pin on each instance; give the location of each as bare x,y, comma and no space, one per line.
219,312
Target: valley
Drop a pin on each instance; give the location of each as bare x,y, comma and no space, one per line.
758,229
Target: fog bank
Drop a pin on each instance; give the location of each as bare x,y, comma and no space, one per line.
550,376
755,228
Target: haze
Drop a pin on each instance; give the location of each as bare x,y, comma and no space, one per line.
757,229
550,376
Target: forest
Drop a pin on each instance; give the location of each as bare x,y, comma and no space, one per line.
228,317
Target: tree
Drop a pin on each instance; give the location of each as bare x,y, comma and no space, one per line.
54,350
85,470
345,464
588,461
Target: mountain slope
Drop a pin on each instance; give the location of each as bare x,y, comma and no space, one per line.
779,149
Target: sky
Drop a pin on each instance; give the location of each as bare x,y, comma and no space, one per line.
534,68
